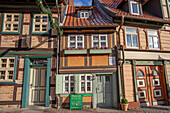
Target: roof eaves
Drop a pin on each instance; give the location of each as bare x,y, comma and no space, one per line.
107,8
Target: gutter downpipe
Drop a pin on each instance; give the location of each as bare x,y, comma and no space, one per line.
120,65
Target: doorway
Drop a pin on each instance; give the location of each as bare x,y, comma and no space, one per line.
37,86
151,85
104,91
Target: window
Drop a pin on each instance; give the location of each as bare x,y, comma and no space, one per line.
85,84
84,14
155,73
99,41
40,23
169,3
141,83
134,8
131,37
139,73
157,93
68,84
11,22
153,39
156,82
76,41
142,94
7,69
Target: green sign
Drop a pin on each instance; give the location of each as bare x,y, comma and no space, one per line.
76,101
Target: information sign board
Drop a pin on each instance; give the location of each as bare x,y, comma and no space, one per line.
76,101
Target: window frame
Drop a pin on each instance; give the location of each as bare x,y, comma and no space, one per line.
134,2
132,37
84,14
3,23
153,39
86,81
15,67
99,41
69,83
76,41
32,24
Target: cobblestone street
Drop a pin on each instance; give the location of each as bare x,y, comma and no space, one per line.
154,109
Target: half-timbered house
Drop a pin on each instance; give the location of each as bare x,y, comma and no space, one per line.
143,49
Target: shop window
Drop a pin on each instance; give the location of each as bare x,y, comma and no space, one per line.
7,69
134,8
68,84
76,41
141,83
85,84
156,82
11,23
142,94
99,41
40,23
153,39
131,37
139,73
157,93
155,73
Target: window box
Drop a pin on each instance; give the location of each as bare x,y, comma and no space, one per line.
100,51
11,23
72,52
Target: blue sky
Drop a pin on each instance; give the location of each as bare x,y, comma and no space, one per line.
83,2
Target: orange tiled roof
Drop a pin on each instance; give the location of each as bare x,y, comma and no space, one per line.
97,20
112,4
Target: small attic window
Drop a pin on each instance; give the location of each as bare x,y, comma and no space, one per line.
134,7
84,14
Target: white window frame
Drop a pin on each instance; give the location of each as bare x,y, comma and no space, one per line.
99,41
142,91
142,80
7,68
157,95
41,23
69,83
156,79
134,2
85,83
84,14
12,22
76,45
153,39
131,37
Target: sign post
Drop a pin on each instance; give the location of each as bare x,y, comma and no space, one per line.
76,101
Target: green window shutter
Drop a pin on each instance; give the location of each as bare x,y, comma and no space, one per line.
59,84
76,83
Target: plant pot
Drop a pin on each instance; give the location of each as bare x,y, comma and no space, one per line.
124,107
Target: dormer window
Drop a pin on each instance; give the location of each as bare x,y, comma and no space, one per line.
84,14
134,8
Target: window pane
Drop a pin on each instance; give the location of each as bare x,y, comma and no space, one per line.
82,86
66,87
135,8
86,14
37,18
131,30
37,27
72,78
8,27
82,14
139,73
79,44
72,87
103,44
10,74
135,40
88,78
169,1
9,18
95,44
66,78
79,38
15,27
2,75
155,73
107,78
82,77
72,44
152,32
16,17
96,38
129,44
150,42
44,27
44,18
156,42
103,37
72,38
88,86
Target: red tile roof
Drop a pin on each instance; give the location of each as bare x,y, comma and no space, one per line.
97,20
112,4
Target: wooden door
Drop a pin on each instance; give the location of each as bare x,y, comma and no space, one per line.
104,91
37,86
151,85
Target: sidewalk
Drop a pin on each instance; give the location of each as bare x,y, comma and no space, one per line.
154,109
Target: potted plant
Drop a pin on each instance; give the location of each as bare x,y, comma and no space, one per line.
124,104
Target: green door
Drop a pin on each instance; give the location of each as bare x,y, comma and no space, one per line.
104,91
